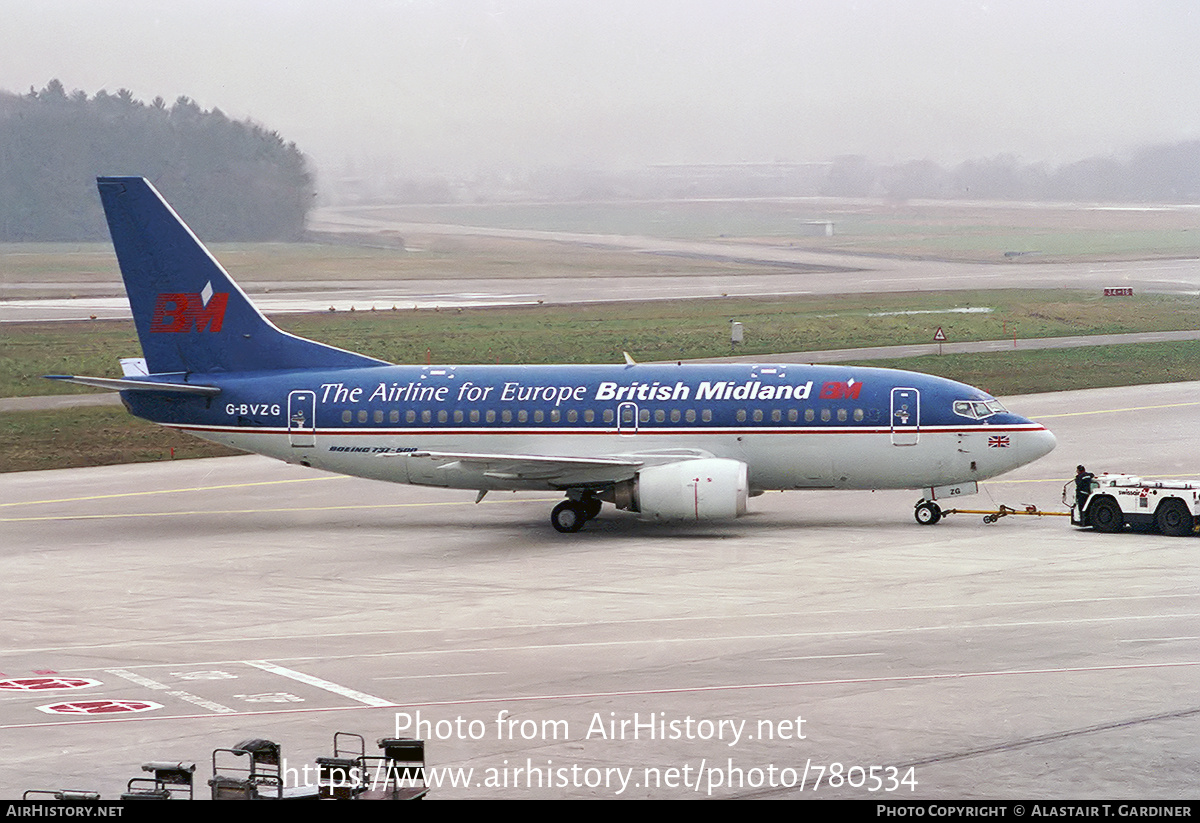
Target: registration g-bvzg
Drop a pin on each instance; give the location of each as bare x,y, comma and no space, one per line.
253,408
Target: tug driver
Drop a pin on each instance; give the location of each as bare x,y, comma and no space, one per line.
1083,487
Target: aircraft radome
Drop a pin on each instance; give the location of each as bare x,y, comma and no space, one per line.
671,442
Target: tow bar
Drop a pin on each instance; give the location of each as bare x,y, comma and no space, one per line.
992,515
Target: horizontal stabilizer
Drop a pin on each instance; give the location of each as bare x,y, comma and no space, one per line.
124,384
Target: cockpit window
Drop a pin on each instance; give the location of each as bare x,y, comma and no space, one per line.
978,409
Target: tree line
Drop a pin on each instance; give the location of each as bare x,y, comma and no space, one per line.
230,180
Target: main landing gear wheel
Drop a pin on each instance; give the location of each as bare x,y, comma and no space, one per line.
568,516
927,513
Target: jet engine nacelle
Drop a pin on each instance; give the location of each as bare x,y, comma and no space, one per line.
708,489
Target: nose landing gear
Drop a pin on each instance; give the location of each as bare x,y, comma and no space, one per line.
927,512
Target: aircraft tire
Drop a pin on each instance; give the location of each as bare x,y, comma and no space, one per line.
927,513
1173,518
568,517
1105,515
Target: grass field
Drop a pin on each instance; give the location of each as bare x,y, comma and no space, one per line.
599,333
72,438
1047,370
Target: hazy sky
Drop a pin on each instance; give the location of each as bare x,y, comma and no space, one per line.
466,84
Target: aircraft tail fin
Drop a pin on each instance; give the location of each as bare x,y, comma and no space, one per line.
190,314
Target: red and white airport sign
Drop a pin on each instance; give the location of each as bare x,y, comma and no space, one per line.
100,707
37,684
939,337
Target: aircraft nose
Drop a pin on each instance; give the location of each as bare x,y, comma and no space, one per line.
1038,443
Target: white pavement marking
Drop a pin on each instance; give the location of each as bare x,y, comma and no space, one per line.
300,677
137,678
182,695
202,703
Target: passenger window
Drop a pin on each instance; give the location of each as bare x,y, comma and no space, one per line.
809,415
674,415
758,415
426,416
443,416
858,415
410,416
539,416
347,416
842,415
776,415
458,416
506,416
825,415
644,415
394,416
362,416
490,416
690,415
572,416
522,416
741,415
660,416
378,416
474,415
555,415
706,415
609,416
589,416
793,415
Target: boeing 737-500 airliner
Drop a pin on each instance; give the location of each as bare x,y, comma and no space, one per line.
671,442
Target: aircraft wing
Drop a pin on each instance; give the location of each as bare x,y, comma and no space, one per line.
555,471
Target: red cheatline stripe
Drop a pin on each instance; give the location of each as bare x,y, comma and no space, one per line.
645,430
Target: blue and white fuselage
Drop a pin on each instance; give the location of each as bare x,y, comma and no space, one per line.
794,426
670,441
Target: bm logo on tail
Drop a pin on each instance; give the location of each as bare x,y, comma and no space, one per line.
178,312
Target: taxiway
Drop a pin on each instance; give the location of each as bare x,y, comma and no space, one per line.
240,597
